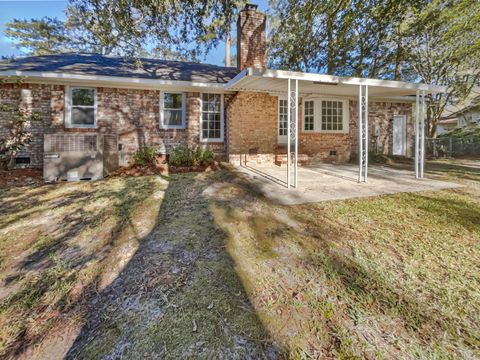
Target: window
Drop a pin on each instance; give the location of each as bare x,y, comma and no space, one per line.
324,115
81,107
332,115
172,110
308,116
212,117
282,117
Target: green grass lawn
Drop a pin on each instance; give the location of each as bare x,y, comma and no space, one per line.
201,265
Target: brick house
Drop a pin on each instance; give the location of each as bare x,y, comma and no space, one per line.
242,113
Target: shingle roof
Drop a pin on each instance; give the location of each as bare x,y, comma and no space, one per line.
95,64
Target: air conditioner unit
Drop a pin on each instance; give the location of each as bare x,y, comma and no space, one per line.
77,156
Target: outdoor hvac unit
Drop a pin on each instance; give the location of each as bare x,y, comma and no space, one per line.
74,156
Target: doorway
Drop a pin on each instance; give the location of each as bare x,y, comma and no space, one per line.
400,135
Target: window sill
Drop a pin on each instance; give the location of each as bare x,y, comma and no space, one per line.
345,132
73,127
211,140
172,127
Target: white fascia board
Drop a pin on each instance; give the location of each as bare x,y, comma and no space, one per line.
237,78
331,79
112,81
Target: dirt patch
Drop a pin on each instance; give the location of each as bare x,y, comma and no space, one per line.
20,177
197,168
163,169
139,170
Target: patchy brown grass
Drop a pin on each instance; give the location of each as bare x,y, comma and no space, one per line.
201,265
385,277
118,268
59,242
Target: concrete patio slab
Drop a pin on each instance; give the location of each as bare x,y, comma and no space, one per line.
323,182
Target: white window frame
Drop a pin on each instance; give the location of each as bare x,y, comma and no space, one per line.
346,116
317,115
314,115
68,108
162,107
222,120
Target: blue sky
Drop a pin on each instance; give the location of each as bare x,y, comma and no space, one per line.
20,9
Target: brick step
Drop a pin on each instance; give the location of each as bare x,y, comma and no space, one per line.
282,159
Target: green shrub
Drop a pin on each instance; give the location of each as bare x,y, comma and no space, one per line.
184,156
181,156
145,156
204,156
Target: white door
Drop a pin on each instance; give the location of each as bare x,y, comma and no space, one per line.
282,121
399,135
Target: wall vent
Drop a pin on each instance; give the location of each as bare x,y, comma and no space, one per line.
22,160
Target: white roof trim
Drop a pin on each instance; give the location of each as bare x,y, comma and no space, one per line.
331,79
110,79
248,72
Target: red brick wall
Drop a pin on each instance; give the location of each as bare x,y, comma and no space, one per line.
251,40
252,127
252,130
32,98
130,113
380,114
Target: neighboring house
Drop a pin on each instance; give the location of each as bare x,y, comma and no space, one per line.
107,104
465,114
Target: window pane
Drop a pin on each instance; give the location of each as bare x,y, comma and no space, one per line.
211,116
309,116
83,97
172,117
83,116
172,101
332,115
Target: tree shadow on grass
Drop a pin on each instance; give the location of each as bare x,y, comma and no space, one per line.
461,209
50,269
461,171
368,289
179,296
357,289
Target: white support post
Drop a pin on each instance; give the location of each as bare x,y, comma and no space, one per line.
362,133
296,136
288,133
366,132
422,133
360,129
417,132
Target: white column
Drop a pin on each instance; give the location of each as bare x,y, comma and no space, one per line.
363,133
296,136
360,129
366,132
288,133
422,133
417,131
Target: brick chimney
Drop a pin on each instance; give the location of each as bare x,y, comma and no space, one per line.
251,38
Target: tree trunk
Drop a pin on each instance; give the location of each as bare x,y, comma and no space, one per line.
398,63
227,48
330,52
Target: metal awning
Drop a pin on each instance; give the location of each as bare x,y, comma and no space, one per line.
275,81
295,84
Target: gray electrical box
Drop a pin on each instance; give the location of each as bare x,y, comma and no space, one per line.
79,156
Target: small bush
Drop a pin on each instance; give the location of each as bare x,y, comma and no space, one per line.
145,156
184,156
204,156
181,156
